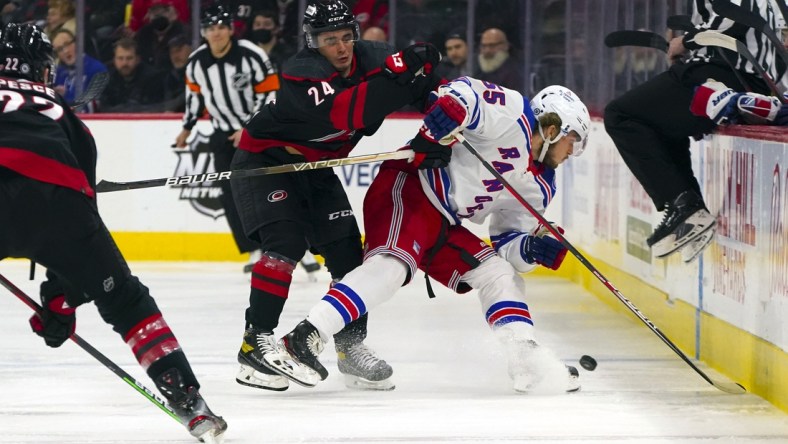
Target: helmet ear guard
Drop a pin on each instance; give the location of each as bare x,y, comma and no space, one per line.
325,16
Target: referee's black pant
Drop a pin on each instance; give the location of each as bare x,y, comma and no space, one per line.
652,123
223,151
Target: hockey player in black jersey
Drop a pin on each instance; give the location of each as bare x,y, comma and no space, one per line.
48,214
332,93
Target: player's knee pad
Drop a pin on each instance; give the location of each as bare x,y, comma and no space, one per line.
127,306
342,256
284,238
496,280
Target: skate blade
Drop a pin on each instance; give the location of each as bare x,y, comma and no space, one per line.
696,247
250,377
359,383
670,245
210,431
285,365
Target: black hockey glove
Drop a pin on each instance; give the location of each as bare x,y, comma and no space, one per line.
416,59
56,322
429,154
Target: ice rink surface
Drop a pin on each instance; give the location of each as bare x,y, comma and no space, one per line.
452,384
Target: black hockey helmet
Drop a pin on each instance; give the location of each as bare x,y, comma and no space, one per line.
26,53
216,15
327,15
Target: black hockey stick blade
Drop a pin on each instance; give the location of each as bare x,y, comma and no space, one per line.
680,23
726,387
128,379
94,89
106,186
636,38
751,20
713,38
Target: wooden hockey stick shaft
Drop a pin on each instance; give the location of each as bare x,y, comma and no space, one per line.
106,186
119,372
713,38
732,388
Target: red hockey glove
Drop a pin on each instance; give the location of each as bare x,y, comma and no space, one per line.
416,59
445,116
56,322
429,153
542,249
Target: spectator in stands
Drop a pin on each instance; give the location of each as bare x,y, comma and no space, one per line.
153,38
175,79
372,14
374,34
139,11
243,13
65,76
455,63
496,64
61,14
265,32
133,85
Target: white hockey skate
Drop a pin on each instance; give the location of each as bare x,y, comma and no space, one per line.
257,348
363,370
533,367
694,248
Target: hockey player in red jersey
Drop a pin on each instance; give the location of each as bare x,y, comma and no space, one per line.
333,92
414,219
49,215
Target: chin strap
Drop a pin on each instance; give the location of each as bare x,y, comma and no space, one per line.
546,144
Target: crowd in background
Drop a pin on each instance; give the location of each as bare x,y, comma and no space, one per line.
145,44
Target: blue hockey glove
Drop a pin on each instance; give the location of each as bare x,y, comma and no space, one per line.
445,116
543,250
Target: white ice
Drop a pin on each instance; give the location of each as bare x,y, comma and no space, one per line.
452,384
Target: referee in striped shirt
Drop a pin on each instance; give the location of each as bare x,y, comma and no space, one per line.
651,125
231,79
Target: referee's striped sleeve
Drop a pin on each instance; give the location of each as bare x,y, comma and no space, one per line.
265,79
194,98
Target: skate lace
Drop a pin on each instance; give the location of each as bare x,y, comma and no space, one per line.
666,218
265,343
363,356
314,343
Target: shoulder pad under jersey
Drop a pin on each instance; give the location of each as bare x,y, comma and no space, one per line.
372,54
308,64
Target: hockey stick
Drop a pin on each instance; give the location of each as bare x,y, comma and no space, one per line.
712,38
106,186
726,387
128,379
751,20
96,86
636,38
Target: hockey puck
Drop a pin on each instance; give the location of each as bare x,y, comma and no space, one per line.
588,363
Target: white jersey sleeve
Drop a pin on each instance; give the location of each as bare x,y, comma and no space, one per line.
500,128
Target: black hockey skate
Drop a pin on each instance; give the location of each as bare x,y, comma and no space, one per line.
362,369
254,372
304,345
685,219
191,409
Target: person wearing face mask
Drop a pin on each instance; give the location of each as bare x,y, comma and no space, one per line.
162,27
264,31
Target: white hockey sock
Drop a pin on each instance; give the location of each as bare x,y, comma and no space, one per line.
369,285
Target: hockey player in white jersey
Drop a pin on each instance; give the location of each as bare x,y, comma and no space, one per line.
413,215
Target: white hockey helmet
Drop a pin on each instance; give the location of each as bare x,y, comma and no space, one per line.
573,113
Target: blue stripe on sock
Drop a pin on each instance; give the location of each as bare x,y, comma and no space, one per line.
354,297
339,308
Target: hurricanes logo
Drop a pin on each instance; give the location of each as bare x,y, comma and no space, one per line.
277,195
197,159
241,80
